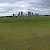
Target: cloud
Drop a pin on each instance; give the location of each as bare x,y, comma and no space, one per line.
8,7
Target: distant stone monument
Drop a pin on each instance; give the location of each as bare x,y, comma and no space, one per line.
29,14
32,14
21,14
36,15
14,15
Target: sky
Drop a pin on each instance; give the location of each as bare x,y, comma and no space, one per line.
9,7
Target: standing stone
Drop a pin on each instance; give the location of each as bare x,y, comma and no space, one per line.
21,14
32,14
14,15
36,15
29,14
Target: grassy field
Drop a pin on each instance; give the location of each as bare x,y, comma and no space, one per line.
24,33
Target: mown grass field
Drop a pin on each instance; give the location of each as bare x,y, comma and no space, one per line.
24,33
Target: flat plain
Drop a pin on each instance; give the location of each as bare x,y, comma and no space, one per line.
25,33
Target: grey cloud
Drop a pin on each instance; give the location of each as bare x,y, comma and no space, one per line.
7,0
46,3
14,6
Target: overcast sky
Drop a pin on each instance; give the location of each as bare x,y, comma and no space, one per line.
8,7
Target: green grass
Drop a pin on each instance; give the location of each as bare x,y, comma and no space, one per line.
24,33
